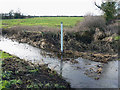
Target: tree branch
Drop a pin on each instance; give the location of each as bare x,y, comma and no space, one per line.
97,5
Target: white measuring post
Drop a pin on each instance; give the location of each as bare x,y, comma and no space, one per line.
61,37
61,48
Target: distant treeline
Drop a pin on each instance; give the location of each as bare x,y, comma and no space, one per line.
15,15
19,15
60,16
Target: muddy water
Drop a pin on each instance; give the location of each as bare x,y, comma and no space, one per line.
77,74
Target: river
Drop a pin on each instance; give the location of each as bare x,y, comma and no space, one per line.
75,73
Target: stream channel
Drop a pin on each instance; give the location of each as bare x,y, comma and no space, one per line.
75,73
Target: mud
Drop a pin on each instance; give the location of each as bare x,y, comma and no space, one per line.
76,44
71,70
31,75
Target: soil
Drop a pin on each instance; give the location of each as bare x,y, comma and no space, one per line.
93,45
31,75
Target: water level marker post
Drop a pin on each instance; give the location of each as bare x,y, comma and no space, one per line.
61,37
61,48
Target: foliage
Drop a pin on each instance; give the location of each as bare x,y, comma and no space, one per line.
4,55
6,74
8,84
33,71
117,38
12,15
109,9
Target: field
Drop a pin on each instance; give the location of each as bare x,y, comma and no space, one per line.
68,22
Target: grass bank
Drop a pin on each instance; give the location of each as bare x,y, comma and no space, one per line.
17,73
4,55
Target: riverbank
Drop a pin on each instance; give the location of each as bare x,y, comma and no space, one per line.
78,74
19,73
96,46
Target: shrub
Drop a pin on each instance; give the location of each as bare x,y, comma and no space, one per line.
92,22
113,28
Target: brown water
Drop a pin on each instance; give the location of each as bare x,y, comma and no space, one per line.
73,73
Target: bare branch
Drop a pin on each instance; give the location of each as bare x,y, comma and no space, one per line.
97,5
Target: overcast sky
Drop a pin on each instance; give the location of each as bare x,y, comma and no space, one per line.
51,7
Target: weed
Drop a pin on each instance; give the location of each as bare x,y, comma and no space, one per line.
33,71
33,85
4,55
48,85
6,74
117,38
8,84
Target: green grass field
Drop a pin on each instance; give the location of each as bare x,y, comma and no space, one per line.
43,21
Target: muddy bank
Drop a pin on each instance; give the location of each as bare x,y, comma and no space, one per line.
92,45
19,73
78,74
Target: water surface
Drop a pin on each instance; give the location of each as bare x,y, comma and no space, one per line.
73,73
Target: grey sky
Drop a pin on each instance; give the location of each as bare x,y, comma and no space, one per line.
51,7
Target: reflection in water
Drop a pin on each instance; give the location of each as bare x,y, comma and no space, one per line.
73,73
61,65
